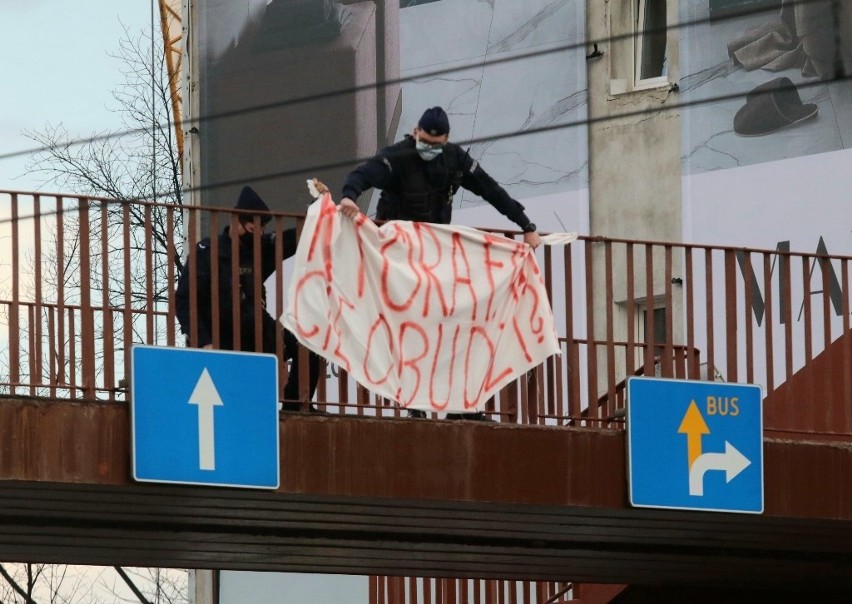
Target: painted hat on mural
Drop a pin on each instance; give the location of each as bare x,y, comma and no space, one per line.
434,122
250,201
771,106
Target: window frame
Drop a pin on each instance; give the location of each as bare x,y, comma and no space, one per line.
640,40
626,48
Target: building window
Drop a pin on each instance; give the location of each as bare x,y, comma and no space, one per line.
659,328
650,43
640,58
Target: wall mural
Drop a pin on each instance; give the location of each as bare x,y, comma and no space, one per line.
499,68
767,144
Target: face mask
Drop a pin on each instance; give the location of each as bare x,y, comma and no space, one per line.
426,151
246,240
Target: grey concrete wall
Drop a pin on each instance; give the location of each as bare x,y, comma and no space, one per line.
634,153
320,116
635,169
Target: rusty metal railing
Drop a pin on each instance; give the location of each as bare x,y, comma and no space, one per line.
83,279
424,590
427,590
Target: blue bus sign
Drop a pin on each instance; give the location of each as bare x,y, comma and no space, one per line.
695,445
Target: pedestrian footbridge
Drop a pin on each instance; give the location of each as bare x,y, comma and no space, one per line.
540,494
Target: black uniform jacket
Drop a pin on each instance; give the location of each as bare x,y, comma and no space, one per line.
415,189
224,297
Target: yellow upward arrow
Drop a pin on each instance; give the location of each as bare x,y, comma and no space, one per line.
693,425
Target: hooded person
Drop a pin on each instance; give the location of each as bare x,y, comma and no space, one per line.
220,303
249,205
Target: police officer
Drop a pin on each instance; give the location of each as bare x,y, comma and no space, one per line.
419,176
248,201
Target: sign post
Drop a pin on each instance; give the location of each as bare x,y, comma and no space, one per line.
205,417
695,445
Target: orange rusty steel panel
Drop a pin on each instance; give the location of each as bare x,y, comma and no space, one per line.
64,442
456,461
808,480
794,403
89,443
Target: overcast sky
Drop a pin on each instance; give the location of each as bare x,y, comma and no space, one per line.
56,68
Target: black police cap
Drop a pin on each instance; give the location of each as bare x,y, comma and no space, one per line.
435,122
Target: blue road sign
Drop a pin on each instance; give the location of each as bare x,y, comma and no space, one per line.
205,417
695,445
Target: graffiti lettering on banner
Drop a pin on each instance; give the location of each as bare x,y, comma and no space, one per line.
435,317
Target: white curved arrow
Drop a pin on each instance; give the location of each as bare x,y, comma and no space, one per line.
206,397
731,461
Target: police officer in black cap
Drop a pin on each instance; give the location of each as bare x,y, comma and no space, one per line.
250,205
419,176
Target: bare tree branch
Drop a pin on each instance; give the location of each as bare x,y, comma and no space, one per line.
132,585
133,167
136,166
15,586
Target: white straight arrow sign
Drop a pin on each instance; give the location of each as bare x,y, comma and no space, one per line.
206,397
731,461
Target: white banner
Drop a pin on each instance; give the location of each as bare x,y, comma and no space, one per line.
435,317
